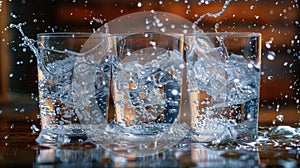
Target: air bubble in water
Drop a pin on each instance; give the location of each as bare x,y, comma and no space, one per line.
175,92
181,66
250,65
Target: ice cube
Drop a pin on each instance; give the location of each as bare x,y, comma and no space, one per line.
208,73
242,80
203,47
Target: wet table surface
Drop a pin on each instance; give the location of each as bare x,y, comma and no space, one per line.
18,148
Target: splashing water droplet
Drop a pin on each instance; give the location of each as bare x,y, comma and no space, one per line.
269,43
271,55
217,26
215,15
13,15
34,128
12,126
139,4
270,77
22,110
11,75
280,117
277,107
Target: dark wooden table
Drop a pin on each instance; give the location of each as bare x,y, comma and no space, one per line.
18,148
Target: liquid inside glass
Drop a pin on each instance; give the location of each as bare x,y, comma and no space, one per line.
223,88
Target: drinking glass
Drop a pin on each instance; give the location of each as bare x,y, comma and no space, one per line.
73,84
223,81
146,90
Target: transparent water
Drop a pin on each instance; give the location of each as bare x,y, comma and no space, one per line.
223,92
62,82
149,94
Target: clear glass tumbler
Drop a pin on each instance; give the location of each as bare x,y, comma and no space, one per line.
146,89
73,84
223,85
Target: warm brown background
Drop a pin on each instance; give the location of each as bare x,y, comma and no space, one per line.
275,20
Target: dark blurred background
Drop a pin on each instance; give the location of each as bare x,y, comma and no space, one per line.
278,21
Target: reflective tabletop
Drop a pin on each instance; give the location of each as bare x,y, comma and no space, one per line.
276,146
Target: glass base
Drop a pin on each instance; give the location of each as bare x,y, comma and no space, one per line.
61,136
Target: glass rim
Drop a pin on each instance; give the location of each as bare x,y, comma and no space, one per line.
101,34
225,34
142,34
67,34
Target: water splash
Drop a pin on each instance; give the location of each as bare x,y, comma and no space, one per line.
215,15
27,42
277,137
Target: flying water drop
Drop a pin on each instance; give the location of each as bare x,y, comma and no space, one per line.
139,4
215,15
271,55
